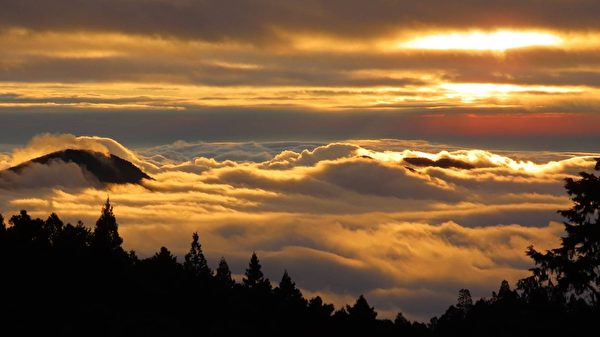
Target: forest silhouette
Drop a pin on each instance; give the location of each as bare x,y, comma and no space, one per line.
71,280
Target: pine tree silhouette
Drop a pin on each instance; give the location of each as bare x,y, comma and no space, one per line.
464,302
319,309
106,232
164,257
49,262
254,276
53,226
575,265
361,311
223,274
404,327
504,292
288,292
195,262
2,225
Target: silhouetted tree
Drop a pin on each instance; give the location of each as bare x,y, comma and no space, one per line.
287,288
402,325
195,262
288,292
400,320
49,262
29,231
53,226
454,321
73,240
254,277
341,315
106,232
318,308
434,323
464,302
575,265
23,225
2,233
532,291
164,257
223,274
164,262
161,272
504,292
2,228
361,311
133,257
21,220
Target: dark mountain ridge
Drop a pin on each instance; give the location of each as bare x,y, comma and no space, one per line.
108,169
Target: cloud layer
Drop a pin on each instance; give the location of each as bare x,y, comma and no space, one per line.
159,71
262,20
344,218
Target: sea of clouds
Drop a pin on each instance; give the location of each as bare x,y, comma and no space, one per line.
344,218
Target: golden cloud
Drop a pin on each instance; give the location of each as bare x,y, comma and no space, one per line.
341,222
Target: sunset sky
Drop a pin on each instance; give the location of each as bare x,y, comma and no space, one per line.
281,127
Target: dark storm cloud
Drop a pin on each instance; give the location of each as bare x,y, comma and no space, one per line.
257,21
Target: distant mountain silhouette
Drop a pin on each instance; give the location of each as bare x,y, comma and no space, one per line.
107,169
443,163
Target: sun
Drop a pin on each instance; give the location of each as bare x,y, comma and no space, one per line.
471,92
493,41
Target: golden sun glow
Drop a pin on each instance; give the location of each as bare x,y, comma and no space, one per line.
496,41
469,92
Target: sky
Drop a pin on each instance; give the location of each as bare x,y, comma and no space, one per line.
281,127
468,72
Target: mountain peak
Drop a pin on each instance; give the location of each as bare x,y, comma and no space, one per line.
108,169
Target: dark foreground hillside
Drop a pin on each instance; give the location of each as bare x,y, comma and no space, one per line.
69,280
